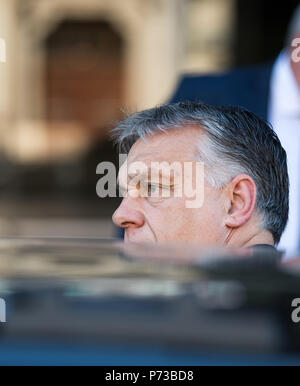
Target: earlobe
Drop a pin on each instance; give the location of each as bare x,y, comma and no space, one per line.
242,195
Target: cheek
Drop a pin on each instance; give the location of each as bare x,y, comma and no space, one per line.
202,225
212,218
171,220
166,219
175,222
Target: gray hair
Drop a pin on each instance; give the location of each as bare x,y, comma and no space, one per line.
236,142
294,26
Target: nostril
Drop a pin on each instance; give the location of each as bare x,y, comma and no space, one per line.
127,224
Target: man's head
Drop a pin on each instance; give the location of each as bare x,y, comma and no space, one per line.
245,185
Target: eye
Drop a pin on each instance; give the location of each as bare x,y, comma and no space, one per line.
152,189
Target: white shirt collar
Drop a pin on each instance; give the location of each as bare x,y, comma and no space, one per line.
285,92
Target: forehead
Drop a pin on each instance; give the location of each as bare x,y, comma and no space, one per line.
174,145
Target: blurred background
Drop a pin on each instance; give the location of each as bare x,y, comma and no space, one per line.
74,66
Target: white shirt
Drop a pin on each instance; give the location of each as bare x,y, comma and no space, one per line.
284,115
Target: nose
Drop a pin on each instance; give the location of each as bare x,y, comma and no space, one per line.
127,215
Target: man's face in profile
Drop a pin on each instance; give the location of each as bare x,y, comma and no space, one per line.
157,207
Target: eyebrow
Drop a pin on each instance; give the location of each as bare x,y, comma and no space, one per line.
145,174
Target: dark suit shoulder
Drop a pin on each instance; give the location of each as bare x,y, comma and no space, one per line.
246,87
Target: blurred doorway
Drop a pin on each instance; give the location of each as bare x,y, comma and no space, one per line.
55,194
84,74
84,88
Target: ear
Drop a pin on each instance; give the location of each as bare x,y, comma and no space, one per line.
241,200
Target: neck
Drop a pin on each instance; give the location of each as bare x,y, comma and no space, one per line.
238,239
263,237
